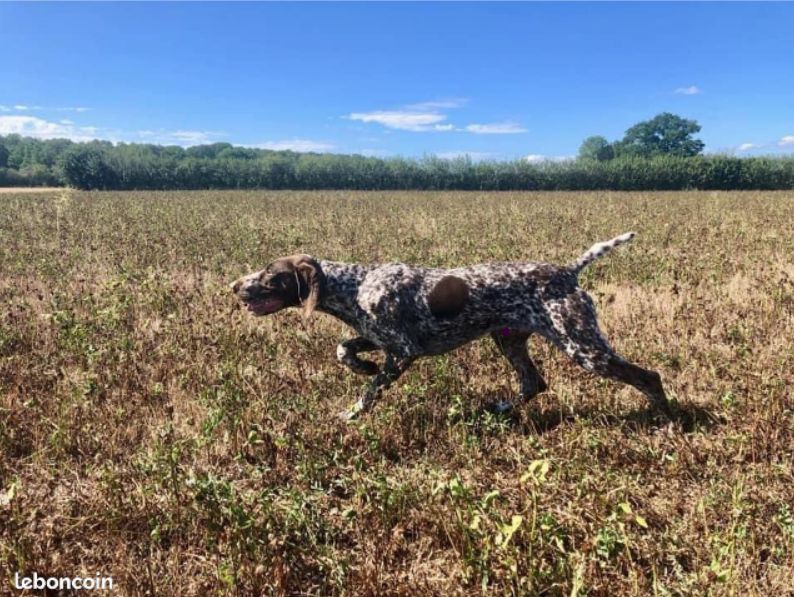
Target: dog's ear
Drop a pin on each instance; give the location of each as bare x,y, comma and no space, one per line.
313,278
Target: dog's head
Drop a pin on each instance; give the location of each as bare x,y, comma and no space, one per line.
291,281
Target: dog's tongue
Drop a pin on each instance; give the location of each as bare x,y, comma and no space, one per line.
265,306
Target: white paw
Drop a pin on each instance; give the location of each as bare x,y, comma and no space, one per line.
502,407
347,415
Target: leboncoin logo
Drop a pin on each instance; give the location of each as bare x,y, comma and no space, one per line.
76,583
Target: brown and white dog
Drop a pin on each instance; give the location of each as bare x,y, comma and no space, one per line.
411,312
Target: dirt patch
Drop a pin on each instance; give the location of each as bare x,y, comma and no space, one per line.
19,190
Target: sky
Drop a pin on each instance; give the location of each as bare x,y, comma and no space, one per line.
491,80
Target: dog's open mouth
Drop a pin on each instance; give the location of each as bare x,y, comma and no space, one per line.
264,306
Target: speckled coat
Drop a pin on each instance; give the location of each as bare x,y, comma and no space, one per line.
390,304
410,312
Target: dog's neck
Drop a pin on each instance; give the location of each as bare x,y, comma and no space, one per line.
342,281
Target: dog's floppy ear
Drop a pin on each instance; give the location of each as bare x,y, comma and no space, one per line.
313,278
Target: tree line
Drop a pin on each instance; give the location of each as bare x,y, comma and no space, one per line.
658,154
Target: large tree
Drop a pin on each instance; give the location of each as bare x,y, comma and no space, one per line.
664,134
596,148
86,166
209,151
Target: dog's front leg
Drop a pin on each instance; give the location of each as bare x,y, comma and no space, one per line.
393,367
347,354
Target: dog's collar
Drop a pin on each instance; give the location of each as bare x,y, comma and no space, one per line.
298,282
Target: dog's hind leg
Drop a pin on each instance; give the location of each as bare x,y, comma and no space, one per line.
576,332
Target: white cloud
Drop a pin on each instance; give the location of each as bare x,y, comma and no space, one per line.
438,104
31,126
429,117
374,153
691,90
28,108
300,145
476,156
495,128
785,141
192,137
39,128
404,120
535,158
181,137
431,121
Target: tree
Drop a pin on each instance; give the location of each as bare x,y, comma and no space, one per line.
86,167
665,134
236,153
3,156
596,148
174,152
209,151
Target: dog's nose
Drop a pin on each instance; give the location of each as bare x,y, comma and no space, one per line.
235,286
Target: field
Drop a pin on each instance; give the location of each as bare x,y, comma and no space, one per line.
152,431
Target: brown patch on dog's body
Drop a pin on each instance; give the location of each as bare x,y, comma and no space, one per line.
448,298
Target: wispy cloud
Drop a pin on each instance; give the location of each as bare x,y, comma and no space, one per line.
786,141
18,119
29,108
404,120
374,153
536,158
477,156
495,128
181,137
691,90
27,125
438,104
40,128
17,108
31,126
429,117
301,145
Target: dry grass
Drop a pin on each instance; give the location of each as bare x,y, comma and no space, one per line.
151,431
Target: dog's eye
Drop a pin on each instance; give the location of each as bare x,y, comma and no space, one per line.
281,279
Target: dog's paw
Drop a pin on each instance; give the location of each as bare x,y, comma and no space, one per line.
349,415
500,408
346,416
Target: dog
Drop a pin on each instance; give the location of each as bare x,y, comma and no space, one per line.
410,312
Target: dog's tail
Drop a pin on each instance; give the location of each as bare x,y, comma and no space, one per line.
599,250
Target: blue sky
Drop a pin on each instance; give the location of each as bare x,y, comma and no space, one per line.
497,81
